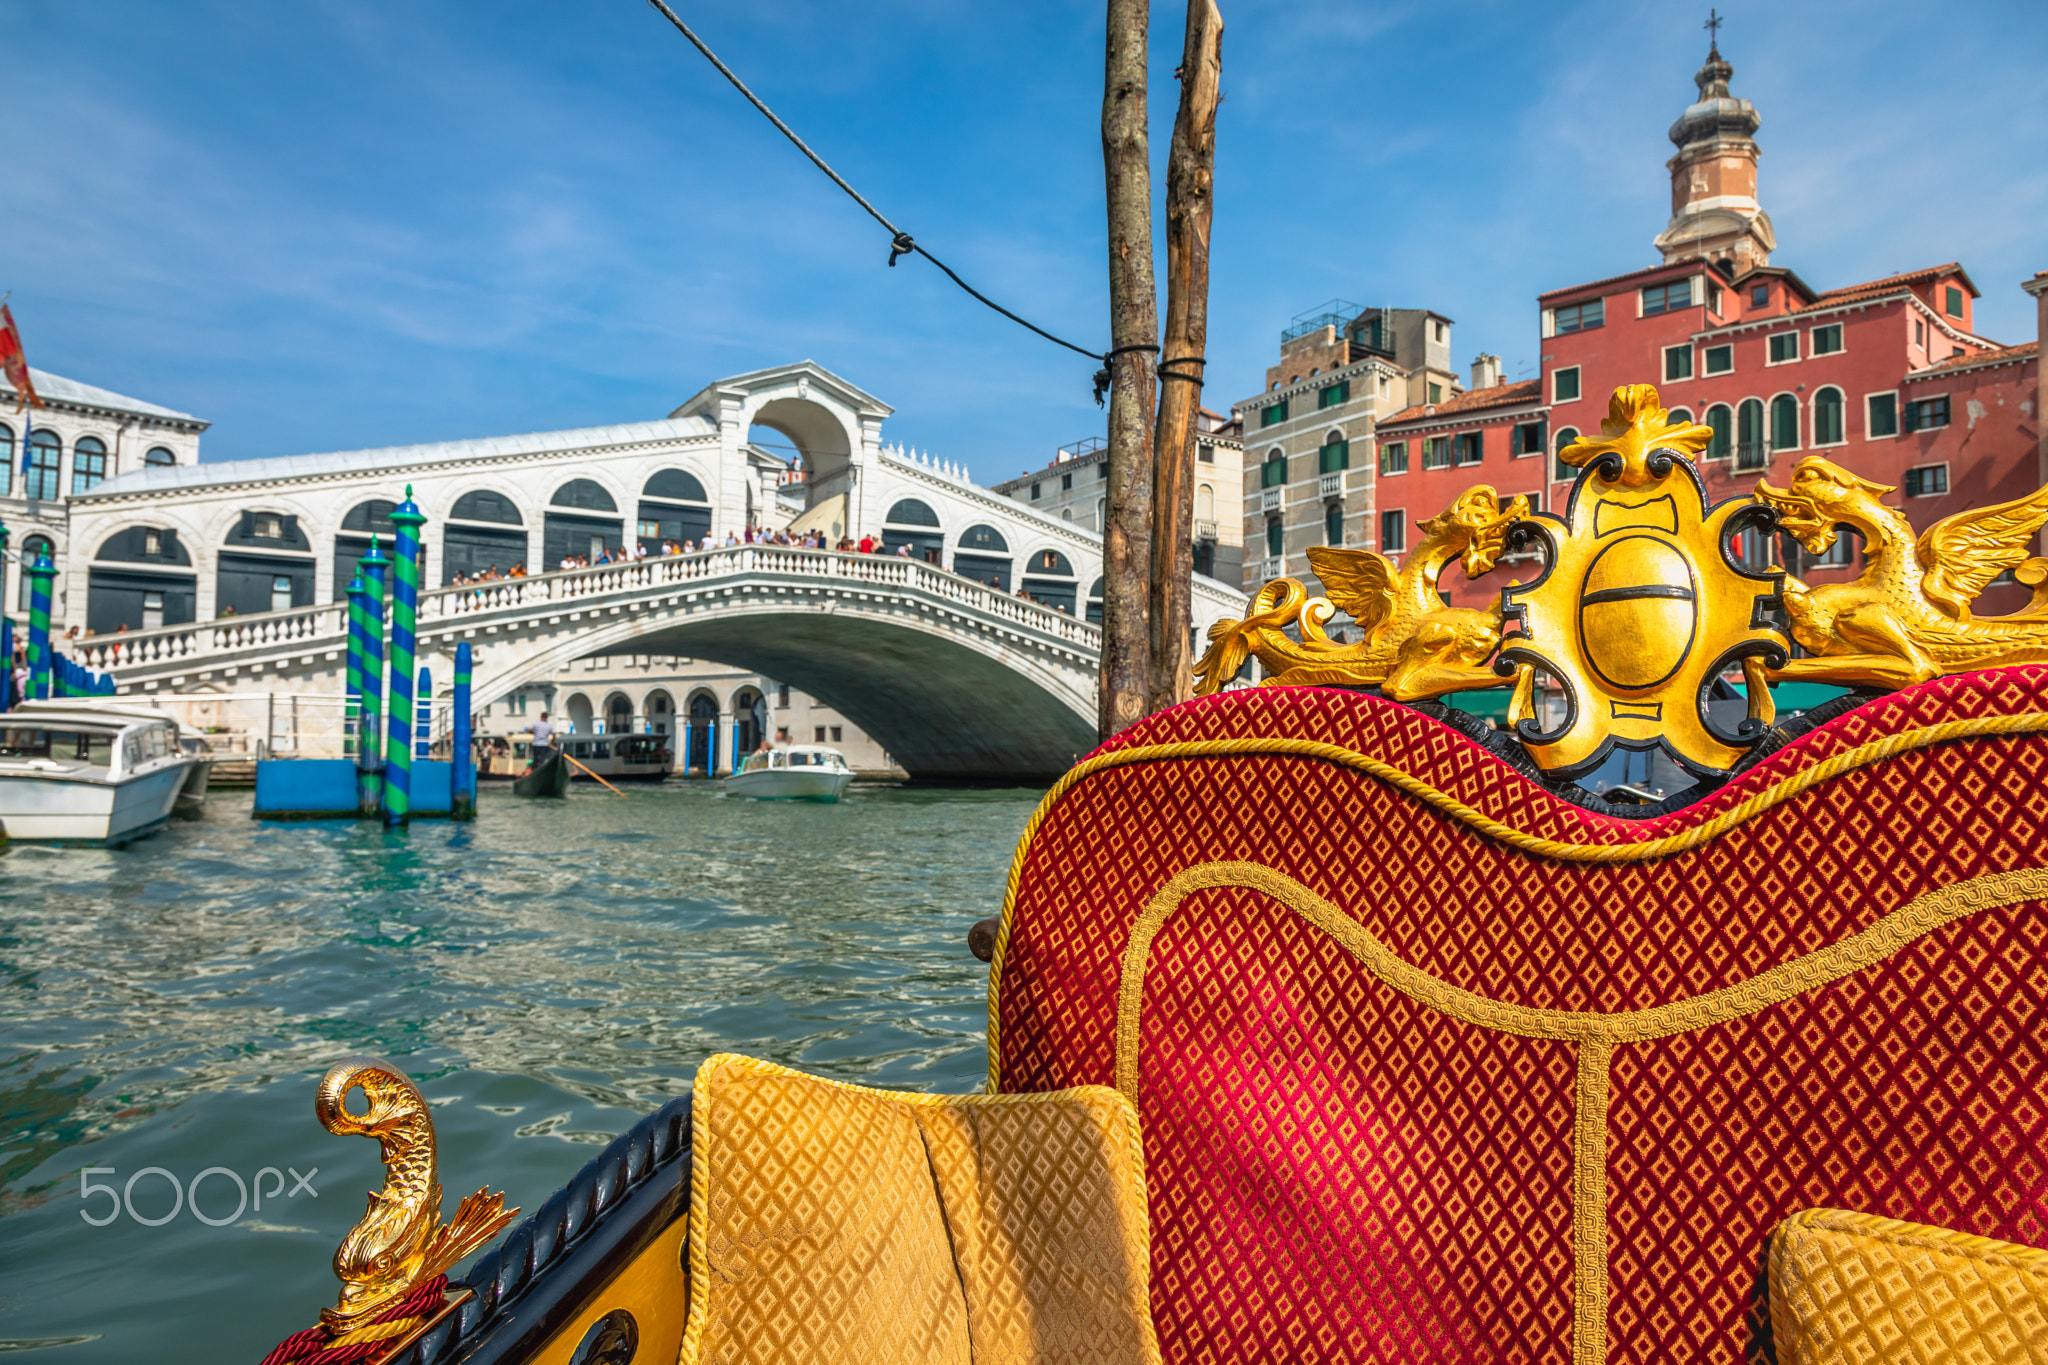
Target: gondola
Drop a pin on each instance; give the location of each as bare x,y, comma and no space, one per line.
1329,1022
550,776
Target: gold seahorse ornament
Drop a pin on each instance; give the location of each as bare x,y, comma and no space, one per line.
401,1242
1415,646
1907,618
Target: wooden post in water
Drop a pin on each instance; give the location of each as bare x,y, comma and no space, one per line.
1134,333
1190,205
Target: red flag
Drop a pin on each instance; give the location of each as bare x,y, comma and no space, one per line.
13,362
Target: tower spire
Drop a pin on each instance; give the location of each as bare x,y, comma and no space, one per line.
1715,215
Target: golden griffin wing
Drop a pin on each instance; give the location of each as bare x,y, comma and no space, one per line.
1963,553
1360,582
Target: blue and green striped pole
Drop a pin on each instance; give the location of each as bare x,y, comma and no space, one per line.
8,701
405,602
352,720
423,729
461,748
41,575
370,751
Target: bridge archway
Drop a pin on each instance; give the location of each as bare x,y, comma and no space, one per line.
825,444
576,710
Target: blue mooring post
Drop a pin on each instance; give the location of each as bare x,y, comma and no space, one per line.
405,601
41,574
461,747
370,748
7,698
423,717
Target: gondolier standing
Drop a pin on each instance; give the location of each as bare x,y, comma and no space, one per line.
543,732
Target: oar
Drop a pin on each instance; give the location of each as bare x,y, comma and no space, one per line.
593,776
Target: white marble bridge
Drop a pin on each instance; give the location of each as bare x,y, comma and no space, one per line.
956,679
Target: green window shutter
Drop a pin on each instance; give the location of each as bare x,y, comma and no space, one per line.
1274,415
1335,456
1275,539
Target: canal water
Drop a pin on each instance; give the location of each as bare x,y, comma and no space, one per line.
547,974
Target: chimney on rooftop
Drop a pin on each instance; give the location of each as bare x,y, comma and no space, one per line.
1485,372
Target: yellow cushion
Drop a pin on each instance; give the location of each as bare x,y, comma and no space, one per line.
1856,1287
831,1223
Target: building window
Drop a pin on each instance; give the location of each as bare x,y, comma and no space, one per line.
1884,415
838,733
1928,481
1274,415
281,592
1954,303
1528,439
648,530
1677,363
1333,524
1581,317
1827,340
1276,538
266,526
1721,421
817,734
45,453
152,542
1680,415
1034,492
1394,457
159,457
1440,326
1469,447
1919,332
1067,482
1564,385
1102,472
1393,532
152,611
1334,395
1924,415
1273,473
88,463
782,696
1206,453
1436,393
1335,455
1714,298
1749,436
1838,554
1563,472
1784,347
1827,417
1784,422
6,458
1720,359
1759,295
1664,298
1436,452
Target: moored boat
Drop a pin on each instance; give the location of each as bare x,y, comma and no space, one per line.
800,772
621,758
549,775
73,772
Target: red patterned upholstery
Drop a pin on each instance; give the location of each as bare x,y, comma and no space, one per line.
1340,1170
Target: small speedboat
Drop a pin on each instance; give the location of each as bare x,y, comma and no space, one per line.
74,772
800,772
549,776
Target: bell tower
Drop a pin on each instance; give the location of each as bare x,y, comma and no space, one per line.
1714,211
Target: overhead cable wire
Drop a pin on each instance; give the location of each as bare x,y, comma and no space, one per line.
901,243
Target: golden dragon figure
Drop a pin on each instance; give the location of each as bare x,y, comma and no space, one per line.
401,1242
1907,617
1415,646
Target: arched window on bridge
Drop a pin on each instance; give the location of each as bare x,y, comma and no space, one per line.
913,523
984,556
134,582
477,540
266,564
1095,602
618,714
30,548
1049,578
576,526
674,508
365,519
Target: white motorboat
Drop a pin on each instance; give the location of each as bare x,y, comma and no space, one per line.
73,772
800,772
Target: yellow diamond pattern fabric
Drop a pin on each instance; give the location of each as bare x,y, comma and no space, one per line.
1854,1287
836,1225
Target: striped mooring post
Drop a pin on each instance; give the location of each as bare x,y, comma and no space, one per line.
352,714
41,575
370,751
405,603
423,727
8,701
461,746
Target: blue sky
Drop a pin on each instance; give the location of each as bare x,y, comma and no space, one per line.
381,221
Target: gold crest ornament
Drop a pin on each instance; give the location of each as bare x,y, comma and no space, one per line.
1643,605
1907,617
1415,645
401,1242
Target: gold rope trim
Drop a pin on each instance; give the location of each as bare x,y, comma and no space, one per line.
1589,1203
1876,751
1595,1033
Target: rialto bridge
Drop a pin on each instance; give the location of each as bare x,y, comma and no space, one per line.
232,576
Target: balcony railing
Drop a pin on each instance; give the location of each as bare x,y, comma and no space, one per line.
1752,457
1272,499
1206,530
1330,485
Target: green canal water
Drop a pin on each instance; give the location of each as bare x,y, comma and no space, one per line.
547,974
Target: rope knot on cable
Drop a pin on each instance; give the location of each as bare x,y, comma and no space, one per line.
902,246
